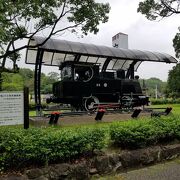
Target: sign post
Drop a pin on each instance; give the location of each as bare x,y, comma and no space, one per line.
26,107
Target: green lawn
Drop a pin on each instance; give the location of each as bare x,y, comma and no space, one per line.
175,107
175,110
32,113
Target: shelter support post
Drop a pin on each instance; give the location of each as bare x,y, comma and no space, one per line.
37,82
130,72
105,65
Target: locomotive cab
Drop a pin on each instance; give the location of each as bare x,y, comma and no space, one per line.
78,71
76,81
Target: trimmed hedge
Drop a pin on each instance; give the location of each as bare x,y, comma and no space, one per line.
141,133
19,148
164,101
36,146
32,106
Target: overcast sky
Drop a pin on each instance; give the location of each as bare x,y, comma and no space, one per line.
143,35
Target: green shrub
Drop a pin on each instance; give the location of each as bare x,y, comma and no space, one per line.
19,148
32,106
40,146
133,134
168,128
141,133
164,101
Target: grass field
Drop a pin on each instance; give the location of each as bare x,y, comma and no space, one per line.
175,107
175,110
32,113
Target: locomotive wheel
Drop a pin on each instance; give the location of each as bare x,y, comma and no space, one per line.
89,103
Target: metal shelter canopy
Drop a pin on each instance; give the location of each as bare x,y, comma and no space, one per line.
55,51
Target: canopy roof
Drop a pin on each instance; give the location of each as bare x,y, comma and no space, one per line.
56,51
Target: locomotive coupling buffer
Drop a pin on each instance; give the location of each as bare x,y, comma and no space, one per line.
100,114
54,117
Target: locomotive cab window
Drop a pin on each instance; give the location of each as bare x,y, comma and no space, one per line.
83,73
66,72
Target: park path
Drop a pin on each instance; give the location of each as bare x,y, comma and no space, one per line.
164,171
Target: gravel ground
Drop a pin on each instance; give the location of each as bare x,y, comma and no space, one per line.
84,119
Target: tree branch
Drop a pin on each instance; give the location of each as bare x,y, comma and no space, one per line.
4,57
168,6
68,27
8,53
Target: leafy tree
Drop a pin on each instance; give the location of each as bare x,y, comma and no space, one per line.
23,19
47,82
151,85
12,82
173,86
54,76
25,77
28,78
176,43
26,73
154,9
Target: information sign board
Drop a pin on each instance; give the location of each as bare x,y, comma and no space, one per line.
11,108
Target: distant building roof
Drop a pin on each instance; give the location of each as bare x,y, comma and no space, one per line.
120,33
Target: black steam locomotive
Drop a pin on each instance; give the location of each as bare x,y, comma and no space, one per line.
84,87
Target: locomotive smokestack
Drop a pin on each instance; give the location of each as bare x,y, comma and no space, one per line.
120,40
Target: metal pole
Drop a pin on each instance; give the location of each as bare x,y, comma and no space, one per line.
1,81
156,92
26,107
37,81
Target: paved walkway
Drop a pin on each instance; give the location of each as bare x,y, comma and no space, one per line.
164,171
